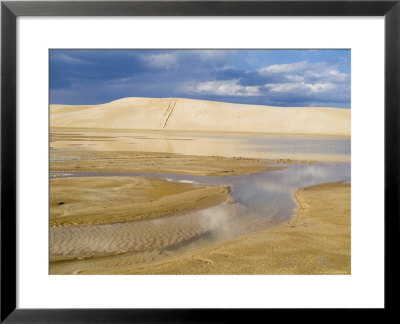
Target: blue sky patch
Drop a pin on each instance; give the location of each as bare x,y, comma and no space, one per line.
264,77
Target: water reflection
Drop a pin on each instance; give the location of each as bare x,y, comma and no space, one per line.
263,146
261,201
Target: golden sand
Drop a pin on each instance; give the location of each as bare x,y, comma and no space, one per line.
315,241
200,115
107,200
209,144
156,162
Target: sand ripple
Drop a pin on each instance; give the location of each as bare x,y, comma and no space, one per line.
82,242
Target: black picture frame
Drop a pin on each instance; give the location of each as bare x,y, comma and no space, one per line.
10,10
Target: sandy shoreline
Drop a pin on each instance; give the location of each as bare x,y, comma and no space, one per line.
230,145
315,241
115,215
103,161
108,200
210,132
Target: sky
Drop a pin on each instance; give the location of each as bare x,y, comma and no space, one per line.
290,78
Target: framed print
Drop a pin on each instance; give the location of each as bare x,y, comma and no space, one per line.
174,160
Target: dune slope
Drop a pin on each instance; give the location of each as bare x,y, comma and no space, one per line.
199,115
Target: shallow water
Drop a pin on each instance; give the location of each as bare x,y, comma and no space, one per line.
262,200
263,146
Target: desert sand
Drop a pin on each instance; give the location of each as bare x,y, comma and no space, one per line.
112,224
115,161
108,200
212,144
315,241
199,115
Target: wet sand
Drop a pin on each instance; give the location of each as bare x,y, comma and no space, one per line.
106,224
211,144
108,200
104,161
315,241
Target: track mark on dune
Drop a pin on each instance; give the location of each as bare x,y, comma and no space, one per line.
168,113
162,121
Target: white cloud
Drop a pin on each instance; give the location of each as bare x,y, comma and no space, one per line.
222,88
306,81
306,72
213,55
70,59
162,60
179,58
304,88
338,76
283,68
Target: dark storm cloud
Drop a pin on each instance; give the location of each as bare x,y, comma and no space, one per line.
297,78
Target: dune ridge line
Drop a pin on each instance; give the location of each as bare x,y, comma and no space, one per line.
179,114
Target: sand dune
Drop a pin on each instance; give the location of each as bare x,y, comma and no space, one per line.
200,115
